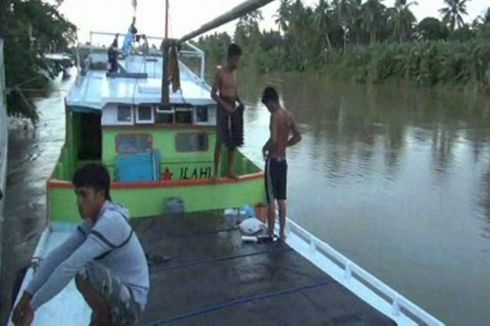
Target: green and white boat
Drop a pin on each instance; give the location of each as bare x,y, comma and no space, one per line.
161,161
154,153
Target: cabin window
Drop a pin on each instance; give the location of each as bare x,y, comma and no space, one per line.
192,142
133,143
165,115
201,114
144,114
183,115
124,114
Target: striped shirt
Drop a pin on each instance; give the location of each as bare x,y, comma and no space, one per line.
110,241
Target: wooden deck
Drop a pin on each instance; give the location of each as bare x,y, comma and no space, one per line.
209,277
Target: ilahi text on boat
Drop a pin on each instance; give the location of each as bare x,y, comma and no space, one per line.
155,152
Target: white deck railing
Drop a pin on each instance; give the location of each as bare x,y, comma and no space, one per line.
189,50
356,279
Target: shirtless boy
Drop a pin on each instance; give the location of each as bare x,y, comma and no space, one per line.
224,92
284,133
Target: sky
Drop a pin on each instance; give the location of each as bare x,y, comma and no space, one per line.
188,15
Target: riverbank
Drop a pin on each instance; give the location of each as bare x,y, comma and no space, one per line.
462,65
465,65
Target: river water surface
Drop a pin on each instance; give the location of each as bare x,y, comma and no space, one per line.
33,153
397,179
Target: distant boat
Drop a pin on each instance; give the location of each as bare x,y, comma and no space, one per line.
58,63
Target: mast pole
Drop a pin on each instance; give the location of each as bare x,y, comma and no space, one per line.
240,10
165,101
166,18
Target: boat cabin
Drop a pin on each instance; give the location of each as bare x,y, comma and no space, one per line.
117,118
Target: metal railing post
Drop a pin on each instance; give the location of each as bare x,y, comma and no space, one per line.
203,65
396,306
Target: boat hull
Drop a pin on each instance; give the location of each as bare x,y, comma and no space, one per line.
150,198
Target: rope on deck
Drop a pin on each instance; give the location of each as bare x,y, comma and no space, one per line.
225,258
238,302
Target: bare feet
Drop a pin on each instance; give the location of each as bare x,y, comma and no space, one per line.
282,238
270,233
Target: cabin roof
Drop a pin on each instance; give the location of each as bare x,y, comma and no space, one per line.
95,90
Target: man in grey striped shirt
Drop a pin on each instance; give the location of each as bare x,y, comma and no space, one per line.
103,254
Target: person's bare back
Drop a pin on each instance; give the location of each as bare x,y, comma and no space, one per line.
284,133
282,126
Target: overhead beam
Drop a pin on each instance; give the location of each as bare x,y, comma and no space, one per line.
238,11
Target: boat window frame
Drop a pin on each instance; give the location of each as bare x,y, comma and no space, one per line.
196,114
192,133
141,134
126,123
138,120
189,111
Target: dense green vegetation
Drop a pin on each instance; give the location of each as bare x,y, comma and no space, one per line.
365,41
30,28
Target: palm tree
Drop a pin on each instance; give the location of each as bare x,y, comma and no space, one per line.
321,20
283,15
373,18
300,30
293,19
341,8
3,18
482,23
247,31
485,19
402,19
342,13
347,14
453,13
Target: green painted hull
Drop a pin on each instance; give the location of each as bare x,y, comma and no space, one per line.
150,198
190,172
149,201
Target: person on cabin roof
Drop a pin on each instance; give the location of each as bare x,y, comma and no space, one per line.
103,254
112,55
282,126
130,37
229,117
